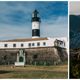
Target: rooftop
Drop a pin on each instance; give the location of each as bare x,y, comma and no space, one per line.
24,40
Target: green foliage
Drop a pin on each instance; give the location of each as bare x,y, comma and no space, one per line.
44,63
75,66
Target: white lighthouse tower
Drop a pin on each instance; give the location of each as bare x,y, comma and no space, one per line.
35,25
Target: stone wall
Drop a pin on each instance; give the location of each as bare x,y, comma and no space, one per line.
36,56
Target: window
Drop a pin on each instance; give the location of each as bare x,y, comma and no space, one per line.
44,43
22,45
5,45
14,45
32,44
64,43
29,44
38,44
35,56
61,42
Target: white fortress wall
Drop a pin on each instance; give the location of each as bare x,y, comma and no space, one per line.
48,43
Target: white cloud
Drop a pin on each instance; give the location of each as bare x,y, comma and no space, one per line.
51,25
50,28
58,27
12,32
75,7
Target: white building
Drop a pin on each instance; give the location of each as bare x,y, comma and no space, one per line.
35,42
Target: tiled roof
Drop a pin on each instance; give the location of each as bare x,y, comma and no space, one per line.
24,40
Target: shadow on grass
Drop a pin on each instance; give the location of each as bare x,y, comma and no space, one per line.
40,75
3,71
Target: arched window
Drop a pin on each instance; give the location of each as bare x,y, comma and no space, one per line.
29,44
44,43
22,45
38,44
5,45
33,44
14,45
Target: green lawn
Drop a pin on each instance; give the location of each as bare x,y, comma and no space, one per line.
36,72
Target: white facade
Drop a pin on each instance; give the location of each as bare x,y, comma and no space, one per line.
36,25
35,37
50,42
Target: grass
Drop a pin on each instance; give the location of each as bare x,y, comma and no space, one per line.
34,72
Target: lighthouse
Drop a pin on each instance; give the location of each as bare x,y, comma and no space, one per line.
35,24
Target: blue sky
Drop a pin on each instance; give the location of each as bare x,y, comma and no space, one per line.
15,19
